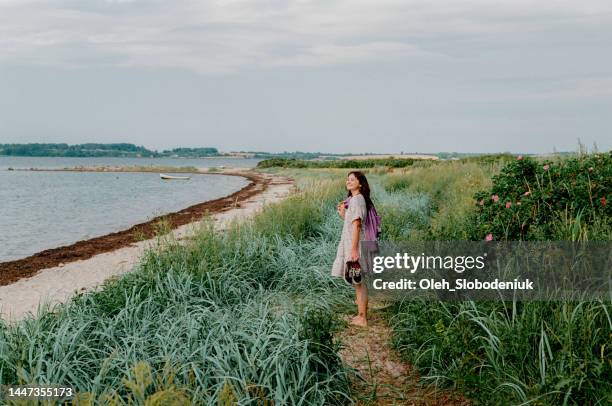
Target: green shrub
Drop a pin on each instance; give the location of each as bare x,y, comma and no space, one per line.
489,159
528,198
338,163
317,326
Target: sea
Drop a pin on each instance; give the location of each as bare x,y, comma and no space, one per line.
48,209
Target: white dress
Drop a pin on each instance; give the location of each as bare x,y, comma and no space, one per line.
356,210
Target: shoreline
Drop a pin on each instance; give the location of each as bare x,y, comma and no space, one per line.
13,271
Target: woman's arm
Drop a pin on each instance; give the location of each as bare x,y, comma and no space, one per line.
355,239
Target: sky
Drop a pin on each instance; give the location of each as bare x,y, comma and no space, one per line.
332,76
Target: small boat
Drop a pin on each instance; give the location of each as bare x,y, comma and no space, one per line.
170,177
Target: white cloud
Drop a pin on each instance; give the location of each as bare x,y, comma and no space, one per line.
229,35
327,54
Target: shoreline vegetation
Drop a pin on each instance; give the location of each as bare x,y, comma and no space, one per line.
120,150
126,150
398,161
252,315
11,271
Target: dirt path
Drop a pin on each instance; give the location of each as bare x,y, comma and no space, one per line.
387,379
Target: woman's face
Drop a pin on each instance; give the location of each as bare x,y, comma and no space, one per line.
352,183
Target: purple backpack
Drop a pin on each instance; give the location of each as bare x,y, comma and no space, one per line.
372,223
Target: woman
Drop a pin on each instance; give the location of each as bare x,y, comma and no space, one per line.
353,233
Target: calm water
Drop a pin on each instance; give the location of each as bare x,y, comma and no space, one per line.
44,162
41,210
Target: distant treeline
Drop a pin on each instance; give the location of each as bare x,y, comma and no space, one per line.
313,155
191,152
372,163
489,158
100,150
285,154
337,163
297,159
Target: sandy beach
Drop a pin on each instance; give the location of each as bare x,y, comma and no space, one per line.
55,275
12,271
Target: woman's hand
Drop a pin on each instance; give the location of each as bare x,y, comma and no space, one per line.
354,254
341,209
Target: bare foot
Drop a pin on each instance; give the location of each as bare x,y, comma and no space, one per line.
359,321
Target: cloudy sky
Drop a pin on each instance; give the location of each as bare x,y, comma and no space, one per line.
334,76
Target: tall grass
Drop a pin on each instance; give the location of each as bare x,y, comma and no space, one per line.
245,316
514,353
405,215
449,187
501,353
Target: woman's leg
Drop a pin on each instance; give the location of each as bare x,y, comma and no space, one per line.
361,293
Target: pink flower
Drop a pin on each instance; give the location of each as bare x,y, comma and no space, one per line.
481,202
489,237
546,167
508,205
495,198
519,158
527,193
603,201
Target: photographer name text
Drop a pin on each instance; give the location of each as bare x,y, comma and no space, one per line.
457,284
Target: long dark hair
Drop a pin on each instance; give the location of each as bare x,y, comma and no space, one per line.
365,188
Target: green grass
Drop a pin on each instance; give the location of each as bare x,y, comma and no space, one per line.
449,187
247,316
242,316
552,353
501,353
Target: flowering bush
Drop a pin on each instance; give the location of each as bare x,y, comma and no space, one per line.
528,197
